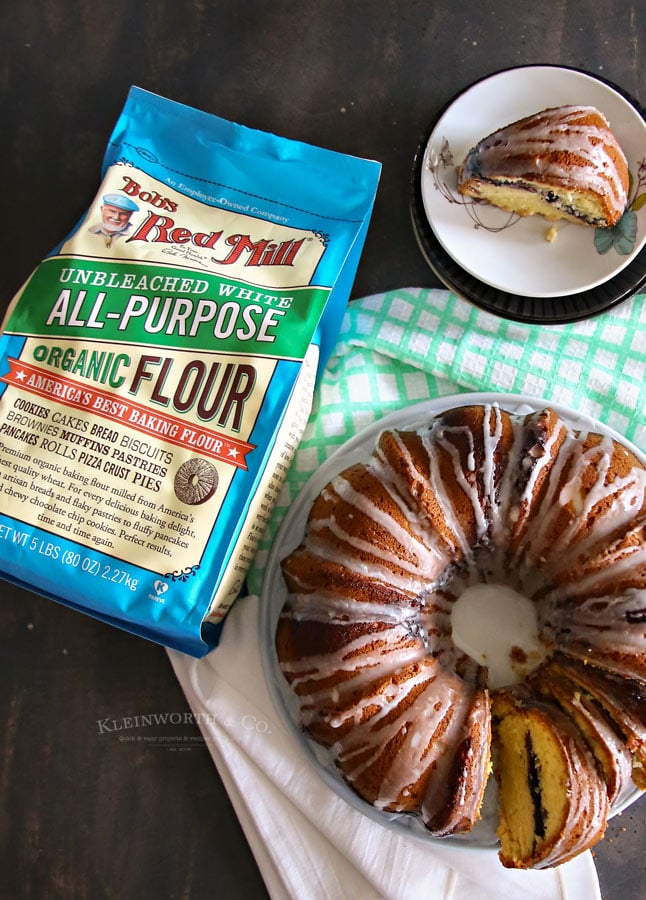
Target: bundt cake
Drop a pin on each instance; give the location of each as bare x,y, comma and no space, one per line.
562,163
366,636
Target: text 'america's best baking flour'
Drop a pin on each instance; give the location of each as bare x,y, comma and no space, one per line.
157,369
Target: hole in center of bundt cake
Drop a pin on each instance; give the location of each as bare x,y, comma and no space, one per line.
498,627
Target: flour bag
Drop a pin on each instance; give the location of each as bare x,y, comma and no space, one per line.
157,369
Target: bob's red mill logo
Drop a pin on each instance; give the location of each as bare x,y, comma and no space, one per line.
159,228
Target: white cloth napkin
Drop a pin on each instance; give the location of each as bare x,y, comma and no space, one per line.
309,843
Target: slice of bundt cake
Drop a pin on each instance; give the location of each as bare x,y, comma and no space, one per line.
622,699
607,747
553,803
562,163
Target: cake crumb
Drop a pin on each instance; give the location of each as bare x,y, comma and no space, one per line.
550,234
517,654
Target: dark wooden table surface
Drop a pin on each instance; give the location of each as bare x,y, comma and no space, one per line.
83,814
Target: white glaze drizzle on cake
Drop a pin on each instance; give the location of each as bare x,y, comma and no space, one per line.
533,148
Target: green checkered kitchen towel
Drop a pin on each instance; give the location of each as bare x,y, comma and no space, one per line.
414,344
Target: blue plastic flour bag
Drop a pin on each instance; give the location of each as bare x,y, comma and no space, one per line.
157,369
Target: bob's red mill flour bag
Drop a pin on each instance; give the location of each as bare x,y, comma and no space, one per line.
157,369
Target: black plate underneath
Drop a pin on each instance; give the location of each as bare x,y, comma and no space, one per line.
533,310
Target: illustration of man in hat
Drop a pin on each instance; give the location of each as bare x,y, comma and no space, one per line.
116,210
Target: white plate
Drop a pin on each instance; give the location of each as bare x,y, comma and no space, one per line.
506,251
274,595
